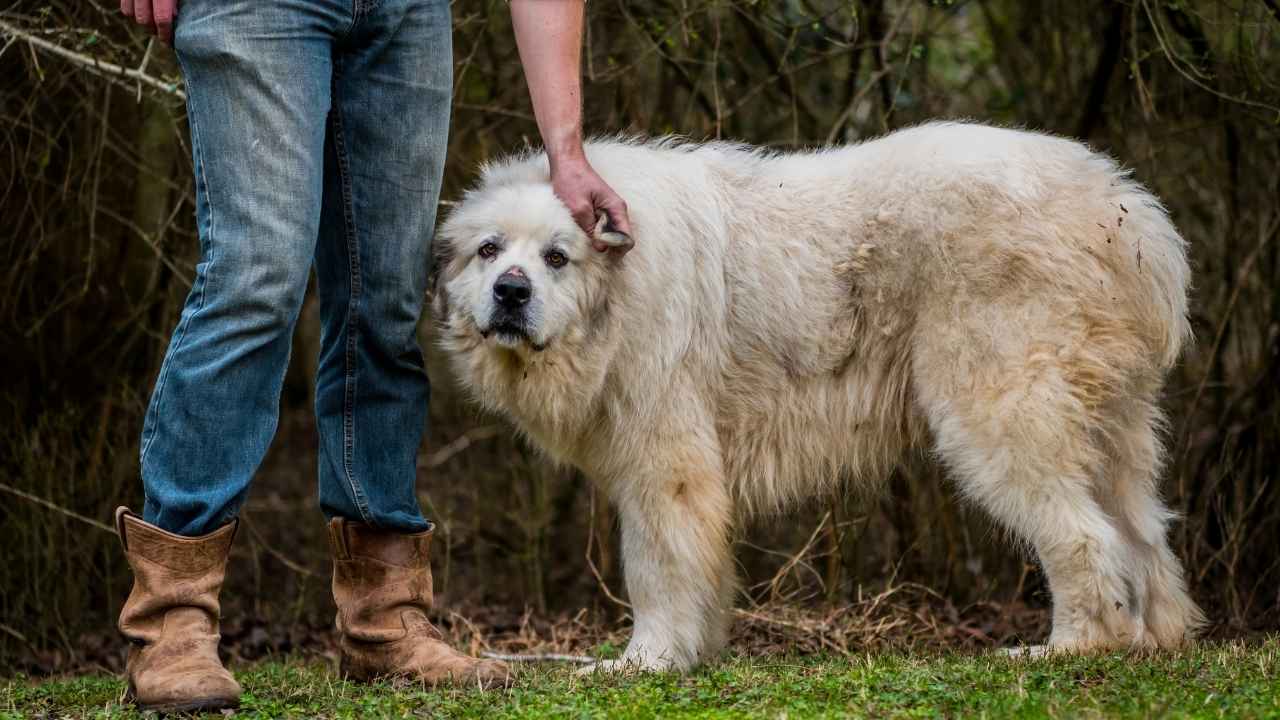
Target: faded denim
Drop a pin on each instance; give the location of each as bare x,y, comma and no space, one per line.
318,134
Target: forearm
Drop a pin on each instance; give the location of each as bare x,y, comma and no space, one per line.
549,37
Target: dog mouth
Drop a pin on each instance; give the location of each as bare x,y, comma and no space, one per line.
511,332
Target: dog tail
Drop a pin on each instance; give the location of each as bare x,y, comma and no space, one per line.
1158,256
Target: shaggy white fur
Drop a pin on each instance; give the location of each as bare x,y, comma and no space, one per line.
1007,301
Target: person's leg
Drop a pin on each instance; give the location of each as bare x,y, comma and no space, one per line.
257,79
388,134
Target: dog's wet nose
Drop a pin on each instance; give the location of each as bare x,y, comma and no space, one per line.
512,290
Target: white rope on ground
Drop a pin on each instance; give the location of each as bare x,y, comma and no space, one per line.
539,657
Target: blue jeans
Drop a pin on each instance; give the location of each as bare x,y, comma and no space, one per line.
318,133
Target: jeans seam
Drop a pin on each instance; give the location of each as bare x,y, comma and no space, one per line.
181,331
357,13
353,299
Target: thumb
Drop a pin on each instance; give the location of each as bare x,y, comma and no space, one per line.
619,218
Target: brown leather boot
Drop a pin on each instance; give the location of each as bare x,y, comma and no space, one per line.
382,586
171,617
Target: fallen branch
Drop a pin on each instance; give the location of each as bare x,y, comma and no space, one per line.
757,617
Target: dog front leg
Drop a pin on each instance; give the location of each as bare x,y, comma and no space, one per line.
676,530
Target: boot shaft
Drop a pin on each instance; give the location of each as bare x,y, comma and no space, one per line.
382,586
176,579
381,580
171,617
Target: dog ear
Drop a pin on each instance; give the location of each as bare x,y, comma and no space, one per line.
606,237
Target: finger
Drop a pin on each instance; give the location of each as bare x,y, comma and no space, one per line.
619,219
584,214
126,8
165,10
142,14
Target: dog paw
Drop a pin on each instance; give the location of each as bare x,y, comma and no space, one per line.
621,667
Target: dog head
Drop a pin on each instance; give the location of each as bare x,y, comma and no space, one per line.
515,270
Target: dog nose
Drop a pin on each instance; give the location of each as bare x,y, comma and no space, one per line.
512,291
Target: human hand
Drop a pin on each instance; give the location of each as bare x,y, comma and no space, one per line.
154,15
588,197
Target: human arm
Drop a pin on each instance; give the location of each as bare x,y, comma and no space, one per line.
549,38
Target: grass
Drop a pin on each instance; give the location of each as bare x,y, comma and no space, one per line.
1212,680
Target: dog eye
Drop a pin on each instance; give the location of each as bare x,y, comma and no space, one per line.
556,259
488,250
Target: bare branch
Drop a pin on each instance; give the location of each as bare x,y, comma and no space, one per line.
464,441
110,71
57,508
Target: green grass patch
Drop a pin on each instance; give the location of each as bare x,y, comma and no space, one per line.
1212,680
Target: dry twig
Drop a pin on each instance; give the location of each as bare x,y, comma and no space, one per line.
115,73
57,508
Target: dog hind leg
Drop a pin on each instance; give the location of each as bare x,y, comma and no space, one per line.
1171,616
1017,436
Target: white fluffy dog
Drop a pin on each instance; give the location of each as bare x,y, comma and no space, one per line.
1006,301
